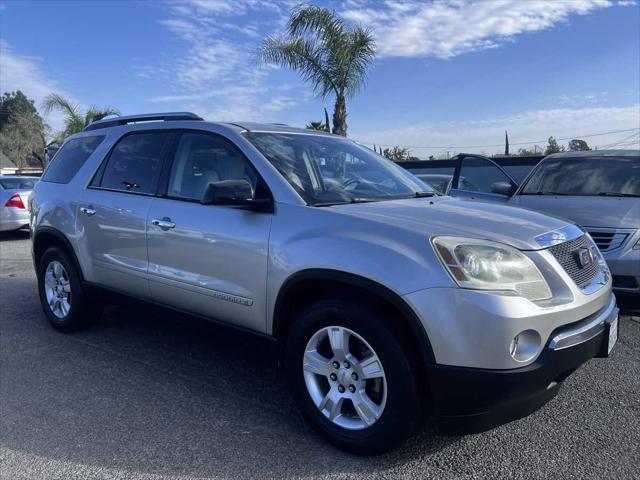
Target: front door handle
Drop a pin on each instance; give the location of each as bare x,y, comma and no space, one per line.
88,211
165,223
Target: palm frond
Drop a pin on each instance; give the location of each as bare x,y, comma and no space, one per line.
55,101
361,52
315,21
301,55
94,114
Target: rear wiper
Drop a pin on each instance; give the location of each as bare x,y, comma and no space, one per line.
617,194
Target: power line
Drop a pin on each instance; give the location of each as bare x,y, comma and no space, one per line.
624,141
510,143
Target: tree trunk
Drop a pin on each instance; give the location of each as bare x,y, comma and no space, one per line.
340,116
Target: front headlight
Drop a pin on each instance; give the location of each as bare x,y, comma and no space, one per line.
485,265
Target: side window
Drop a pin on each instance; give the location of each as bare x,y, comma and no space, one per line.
135,163
478,174
70,158
204,158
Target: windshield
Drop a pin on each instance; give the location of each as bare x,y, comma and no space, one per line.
328,170
615,176
18,183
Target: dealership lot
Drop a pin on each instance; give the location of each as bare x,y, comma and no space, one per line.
148,395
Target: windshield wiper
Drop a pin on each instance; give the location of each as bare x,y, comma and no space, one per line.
347,202
543,192
617,194
425,194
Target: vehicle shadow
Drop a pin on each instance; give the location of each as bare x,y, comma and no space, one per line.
14,235
151,392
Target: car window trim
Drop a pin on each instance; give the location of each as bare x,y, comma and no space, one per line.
99,172
163,183
456,174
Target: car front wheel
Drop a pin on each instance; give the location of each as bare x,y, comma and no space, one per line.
350,377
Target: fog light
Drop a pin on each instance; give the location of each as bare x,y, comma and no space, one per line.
525,346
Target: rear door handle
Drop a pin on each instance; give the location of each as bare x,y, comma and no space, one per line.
88,211
165,223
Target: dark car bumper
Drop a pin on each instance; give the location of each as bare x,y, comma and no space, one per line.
469,400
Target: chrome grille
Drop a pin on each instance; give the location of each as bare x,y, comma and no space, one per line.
607,239
567,255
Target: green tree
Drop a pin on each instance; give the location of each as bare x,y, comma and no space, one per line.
22,130
317,126
577,145
553,147
330,55
526,152
397,154
74,120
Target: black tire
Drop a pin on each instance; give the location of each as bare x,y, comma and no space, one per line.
402,412
83,309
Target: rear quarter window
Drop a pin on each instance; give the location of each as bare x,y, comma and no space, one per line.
70,158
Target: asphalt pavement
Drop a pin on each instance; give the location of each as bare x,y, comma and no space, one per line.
147,395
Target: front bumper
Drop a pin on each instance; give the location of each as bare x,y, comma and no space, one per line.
468,400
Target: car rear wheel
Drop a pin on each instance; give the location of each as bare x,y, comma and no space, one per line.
64,301
350,377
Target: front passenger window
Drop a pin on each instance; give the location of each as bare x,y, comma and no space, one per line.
202,159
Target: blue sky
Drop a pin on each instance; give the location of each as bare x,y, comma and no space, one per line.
449,75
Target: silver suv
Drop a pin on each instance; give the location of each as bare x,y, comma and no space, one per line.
387,302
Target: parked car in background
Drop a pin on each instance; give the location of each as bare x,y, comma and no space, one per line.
386,301
599,190
439,182
14,198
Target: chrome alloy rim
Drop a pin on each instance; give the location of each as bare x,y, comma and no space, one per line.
57,288
344,378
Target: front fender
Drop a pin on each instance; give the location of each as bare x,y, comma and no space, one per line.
399,260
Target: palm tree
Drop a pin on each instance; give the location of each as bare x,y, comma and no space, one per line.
75,121
317,126
331,55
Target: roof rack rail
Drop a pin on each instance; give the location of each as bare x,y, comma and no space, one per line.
147,117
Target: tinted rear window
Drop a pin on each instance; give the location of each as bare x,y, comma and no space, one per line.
18,183
70,158
134,163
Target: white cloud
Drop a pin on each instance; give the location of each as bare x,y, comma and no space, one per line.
487,135
18,72
581,100
217,74
447,29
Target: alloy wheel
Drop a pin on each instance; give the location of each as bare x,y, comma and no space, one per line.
57,287
345,378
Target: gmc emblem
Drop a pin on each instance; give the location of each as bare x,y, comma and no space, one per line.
585,257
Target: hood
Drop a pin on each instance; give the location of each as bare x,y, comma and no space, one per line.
451,216
588,211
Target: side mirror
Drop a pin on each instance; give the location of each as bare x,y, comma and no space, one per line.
503,188
232,193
